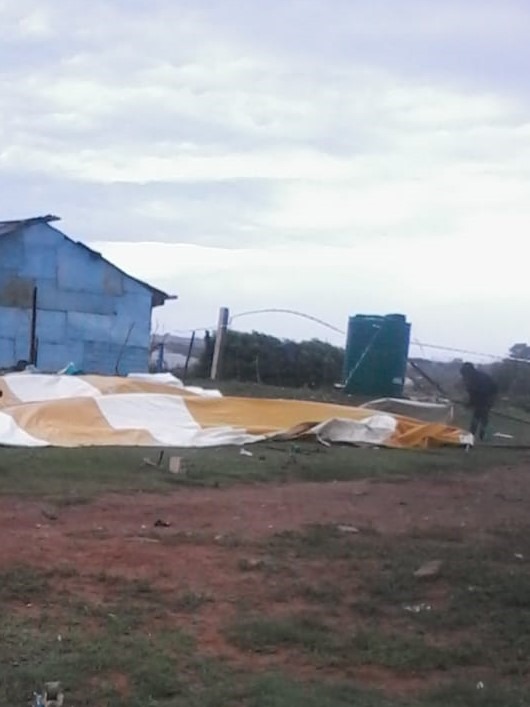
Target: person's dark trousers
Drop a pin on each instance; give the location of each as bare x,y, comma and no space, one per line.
480,421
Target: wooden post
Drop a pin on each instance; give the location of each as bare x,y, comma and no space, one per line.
160,358
188,357
220,337
33,331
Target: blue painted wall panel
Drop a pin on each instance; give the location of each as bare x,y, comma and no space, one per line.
77,270
90,327
15,291
50,297
135,359
12,252
51,326
106,357
137,311
112,281
99,356
137,305
58,356
7,272
22,346
137,336
13,320
7,352
133,287
15,326
53,357
115,329
39,262
41,234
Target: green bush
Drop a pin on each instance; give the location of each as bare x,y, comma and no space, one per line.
265,359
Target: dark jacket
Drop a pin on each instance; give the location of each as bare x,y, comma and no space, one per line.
481,388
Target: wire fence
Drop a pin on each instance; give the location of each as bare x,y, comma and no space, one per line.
415,342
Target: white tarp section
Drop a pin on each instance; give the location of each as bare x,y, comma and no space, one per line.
375,430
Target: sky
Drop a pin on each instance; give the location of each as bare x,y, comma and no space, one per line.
334,157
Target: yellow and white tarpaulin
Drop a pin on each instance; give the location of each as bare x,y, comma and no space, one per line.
158,410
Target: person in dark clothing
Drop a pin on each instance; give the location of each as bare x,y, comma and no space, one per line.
482,391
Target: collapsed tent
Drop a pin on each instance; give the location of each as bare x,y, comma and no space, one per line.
158,410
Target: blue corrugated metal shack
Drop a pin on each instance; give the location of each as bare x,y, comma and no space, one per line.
60,301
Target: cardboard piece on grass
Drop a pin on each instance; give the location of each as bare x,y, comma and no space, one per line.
429,570
175,465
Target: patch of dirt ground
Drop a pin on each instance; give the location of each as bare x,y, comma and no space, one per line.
211,531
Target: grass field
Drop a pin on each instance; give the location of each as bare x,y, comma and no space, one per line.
71,475
284,579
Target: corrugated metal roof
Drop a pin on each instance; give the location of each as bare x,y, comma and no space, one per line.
9,227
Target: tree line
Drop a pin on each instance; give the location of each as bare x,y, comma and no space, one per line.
261,358
513,376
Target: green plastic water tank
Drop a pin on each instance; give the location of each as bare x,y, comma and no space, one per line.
377,350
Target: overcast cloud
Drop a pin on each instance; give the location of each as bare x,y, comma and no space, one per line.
332,156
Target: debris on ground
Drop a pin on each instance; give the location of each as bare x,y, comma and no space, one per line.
245,453
157,463
518,556
50,515
53,696
162,523
323,442
417,608
348,529
247,565
70,370
429,570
